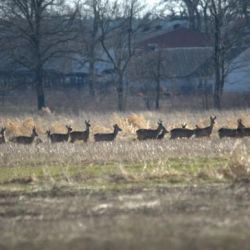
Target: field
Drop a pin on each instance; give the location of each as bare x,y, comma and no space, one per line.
168,194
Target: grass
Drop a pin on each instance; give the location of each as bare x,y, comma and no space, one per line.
125,160
125,194
114,176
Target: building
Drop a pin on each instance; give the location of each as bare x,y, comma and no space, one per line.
182,53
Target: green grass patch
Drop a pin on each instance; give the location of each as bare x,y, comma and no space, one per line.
114,176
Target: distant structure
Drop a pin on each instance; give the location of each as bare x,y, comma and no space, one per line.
178,38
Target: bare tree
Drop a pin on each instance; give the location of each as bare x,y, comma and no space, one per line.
189,9
244,8
227,29
119,26
193,13
147,70
91,39
35,32
226,22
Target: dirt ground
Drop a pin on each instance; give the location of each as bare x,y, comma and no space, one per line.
204,216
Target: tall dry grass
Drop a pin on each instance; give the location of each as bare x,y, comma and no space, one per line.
129,122
126,150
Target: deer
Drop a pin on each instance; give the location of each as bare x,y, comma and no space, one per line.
80,135
207,131
242,129
182,132
2,137
230,132
25,139
161,135
144,134
107,136
58,137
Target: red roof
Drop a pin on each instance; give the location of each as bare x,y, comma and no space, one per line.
178,38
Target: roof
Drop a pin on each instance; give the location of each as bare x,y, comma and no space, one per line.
182,62
178,38
238,77
176,63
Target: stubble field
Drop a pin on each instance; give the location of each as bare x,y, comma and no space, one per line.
173,194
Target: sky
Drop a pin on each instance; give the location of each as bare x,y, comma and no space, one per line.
151,3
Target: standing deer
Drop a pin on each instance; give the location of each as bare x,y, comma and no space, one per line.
80,135
56,137
107,136
2,137
205,132
181,132
144,134
229,132
162,133
25,139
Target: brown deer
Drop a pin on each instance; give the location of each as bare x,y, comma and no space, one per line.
80,135
240,124
58,137
182,132
230,132
242,129
162,133
144,134
2,137
207,131
25,139
107,136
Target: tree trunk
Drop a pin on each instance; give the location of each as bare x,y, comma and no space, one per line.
40,89
198,20
191,19
158,80
158,85
217,87
92,78
217,64
157,99
191,8
217,100
120,94
206,21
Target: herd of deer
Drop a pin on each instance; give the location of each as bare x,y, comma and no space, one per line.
142,134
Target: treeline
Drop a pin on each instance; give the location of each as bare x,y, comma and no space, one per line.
37,35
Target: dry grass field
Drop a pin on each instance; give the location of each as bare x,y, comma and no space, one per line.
127,194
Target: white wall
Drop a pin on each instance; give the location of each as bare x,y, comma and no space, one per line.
238,80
